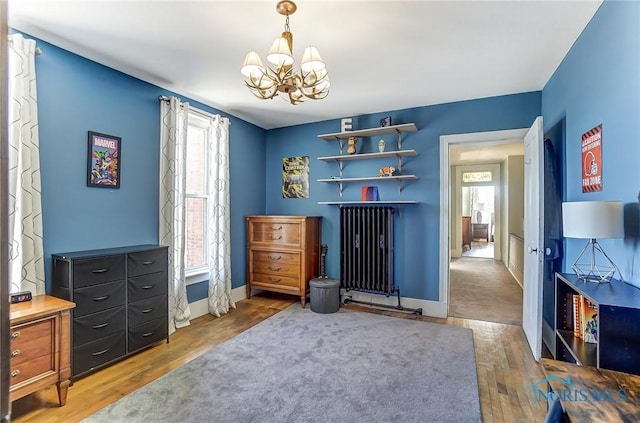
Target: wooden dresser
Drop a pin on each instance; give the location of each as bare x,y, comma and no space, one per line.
40,346
283,253
121,302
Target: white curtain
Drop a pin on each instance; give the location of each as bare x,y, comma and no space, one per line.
218,215
173,152
26,264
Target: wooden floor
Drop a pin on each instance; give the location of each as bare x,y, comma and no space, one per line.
506,369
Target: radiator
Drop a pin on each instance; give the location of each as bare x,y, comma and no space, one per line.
366,249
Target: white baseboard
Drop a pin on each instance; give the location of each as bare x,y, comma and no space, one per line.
429,308
201,307
456,253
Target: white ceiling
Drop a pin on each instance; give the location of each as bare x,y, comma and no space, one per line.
381,55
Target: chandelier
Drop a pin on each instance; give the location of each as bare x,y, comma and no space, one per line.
312,81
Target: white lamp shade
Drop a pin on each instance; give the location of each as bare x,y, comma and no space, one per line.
592,219
280,53
252,65
311,60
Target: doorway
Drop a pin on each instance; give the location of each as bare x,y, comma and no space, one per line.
478,208
488,292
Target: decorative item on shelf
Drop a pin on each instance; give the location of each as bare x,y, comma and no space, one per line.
591,220
369,193
312,81
387,171
385,121
346,124
381,146
351,149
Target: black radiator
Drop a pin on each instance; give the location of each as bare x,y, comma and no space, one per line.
366,249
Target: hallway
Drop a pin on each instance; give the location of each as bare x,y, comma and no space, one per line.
483,289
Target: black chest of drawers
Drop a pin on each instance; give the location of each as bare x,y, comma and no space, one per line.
121,302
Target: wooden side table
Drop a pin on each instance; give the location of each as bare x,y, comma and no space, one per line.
40,346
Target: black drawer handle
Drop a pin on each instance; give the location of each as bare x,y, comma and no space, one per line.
275,269
104,297
146,263
100,326
272,258
279,228
148,286
275,280
147,310
275,238
106,269
97,353
146,335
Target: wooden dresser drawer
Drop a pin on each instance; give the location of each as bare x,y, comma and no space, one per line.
279,280
146,286
31,341
97,325
98,270
275,257
97,298
144,262
276,233
36,366
148,309
278,269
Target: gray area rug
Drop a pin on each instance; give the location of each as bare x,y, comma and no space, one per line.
300,366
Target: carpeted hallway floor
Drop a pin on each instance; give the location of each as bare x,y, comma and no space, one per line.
483,289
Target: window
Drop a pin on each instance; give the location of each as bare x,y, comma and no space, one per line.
476,177
197,199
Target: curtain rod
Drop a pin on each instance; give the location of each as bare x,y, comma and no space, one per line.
194,109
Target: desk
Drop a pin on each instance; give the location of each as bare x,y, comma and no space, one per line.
584,379
40,346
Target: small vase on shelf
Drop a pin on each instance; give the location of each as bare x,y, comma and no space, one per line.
381,146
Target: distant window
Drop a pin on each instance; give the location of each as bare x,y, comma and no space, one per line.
197,199
477,177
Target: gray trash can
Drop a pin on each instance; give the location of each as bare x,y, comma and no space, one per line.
324,295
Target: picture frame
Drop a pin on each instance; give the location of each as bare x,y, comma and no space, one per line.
385,121
104,161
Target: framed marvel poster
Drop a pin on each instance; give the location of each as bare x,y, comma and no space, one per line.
103,161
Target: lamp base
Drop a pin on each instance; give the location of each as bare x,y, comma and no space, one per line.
592,272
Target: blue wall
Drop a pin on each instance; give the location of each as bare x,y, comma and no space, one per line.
76,95
417,246
598,82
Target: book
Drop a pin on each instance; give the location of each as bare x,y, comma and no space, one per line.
369,194
577,327
588,320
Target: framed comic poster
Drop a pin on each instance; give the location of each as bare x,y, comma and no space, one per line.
295,177
103,161
592,160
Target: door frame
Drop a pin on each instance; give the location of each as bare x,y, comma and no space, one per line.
493,137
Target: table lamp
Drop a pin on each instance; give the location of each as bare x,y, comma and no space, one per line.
592,220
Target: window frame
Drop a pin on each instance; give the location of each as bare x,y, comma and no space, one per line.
197,118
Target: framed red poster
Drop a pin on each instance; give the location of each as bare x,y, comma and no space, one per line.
592,160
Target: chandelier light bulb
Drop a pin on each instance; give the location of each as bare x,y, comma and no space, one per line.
280,53
252,65
311,60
